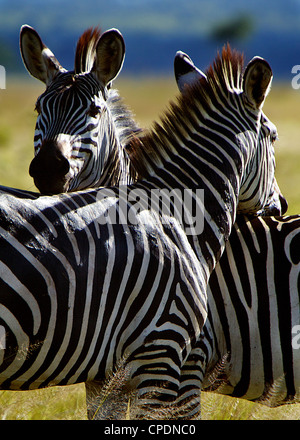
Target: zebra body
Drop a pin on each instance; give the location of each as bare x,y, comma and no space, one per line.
254,306
161,312
89,279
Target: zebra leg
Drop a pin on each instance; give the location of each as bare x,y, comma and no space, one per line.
191,379
140,389
172,399
193,373
154,403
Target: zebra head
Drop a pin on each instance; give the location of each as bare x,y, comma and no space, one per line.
75,130
257,79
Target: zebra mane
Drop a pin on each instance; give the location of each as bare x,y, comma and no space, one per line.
86,50
127,128
226,71
222,78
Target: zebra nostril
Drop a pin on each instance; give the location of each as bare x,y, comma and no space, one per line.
49,168
49,160
284,204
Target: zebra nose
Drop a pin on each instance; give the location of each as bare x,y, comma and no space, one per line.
49,169
284,204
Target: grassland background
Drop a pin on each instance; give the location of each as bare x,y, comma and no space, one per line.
147,97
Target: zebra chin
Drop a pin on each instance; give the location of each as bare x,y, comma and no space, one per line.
49,183
51,187
276,207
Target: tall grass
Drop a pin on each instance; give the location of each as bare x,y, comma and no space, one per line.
147,98
55,403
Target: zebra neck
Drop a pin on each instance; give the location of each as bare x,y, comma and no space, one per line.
186,153
217,183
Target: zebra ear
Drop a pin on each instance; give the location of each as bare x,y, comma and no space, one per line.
110,53
186,73
257,81
37,58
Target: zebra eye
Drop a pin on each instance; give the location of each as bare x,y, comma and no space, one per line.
274,136
93,111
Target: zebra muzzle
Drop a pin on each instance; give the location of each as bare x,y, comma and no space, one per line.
49,169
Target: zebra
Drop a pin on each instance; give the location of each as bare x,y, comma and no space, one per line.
82,123
186,67
78,293
253,302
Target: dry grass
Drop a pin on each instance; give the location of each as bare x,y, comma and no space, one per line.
68,403
56,403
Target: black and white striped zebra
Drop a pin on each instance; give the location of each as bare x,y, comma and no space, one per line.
253,303
77,293
81,125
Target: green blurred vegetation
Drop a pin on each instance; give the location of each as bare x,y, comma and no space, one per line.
282,107
147,97
238,28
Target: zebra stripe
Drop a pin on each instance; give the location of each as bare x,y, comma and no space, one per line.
43,255
186,73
